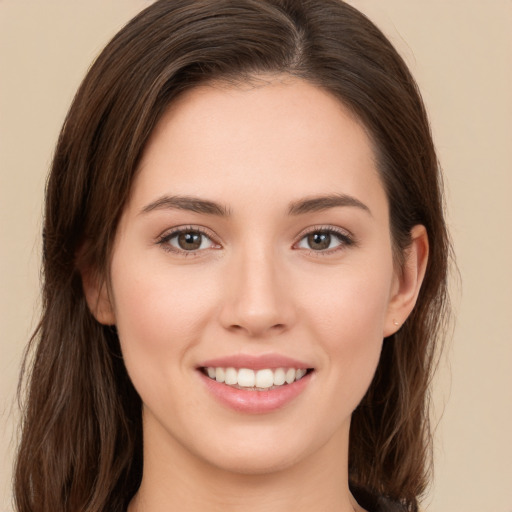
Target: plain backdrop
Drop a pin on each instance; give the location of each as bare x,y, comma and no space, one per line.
461,54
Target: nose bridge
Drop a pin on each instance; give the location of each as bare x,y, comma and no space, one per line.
257,301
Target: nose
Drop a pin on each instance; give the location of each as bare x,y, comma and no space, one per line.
258,299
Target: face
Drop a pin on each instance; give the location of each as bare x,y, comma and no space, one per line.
256,239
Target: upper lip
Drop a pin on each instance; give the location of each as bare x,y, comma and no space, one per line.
271,361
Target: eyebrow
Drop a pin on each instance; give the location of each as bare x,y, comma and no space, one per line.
300,207
321,203
191,204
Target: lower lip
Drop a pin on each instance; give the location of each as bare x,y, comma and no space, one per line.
256,402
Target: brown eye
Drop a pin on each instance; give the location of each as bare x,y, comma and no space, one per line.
189,241
319,241
325,240
186,241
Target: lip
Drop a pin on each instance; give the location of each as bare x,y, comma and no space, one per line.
261,362
255,402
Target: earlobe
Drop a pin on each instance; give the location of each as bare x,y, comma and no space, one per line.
98,298
408,281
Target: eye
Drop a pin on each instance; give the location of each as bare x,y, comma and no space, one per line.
325,240
187,240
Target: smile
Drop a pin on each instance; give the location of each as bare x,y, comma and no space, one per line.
265,379
251,391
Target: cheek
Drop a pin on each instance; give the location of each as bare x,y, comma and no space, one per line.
159,318
347,320
350,304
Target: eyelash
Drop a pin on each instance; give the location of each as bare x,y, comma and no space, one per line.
345,239
164,239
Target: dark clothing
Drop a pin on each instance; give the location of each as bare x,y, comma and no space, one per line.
373,503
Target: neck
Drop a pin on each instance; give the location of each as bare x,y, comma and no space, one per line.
175,479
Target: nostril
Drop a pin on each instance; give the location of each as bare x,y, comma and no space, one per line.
255,330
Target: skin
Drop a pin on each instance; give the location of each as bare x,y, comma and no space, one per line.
254,286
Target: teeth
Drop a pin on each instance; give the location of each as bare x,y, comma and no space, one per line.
300,373
279,377
219,374
231,376
290,375
264,378
246,378
256,379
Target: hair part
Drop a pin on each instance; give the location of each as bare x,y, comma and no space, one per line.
81,445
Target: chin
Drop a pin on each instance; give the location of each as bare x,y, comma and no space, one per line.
261,451
255,462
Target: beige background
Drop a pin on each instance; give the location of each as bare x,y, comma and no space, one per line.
461,53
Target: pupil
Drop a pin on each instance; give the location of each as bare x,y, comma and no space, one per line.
319,240
189,241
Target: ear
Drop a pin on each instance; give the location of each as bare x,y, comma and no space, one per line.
97,297
407,281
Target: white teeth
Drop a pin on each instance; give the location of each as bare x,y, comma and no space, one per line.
246,378
264,378
231,376
290,375
256,379
300,373
279,377
219,374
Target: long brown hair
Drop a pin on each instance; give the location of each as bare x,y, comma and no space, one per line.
81,445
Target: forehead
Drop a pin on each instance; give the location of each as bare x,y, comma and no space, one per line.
275,137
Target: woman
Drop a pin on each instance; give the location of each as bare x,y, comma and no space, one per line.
245,271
